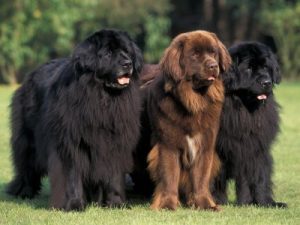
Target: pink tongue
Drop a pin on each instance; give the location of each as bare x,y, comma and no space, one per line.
261,97
211,78
123,80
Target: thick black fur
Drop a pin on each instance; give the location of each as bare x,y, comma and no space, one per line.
249,126
72,120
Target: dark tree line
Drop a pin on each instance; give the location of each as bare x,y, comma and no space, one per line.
231,20
274,22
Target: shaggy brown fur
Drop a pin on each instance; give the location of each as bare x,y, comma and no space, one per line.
183,106
148,73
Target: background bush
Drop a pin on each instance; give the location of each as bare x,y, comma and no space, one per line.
32,32
283,21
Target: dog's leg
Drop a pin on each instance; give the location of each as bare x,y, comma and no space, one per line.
242,187
74,191
200,175
166,175
57,181
27,179
219,187
99,195
66,186
94,193
263,186
115,190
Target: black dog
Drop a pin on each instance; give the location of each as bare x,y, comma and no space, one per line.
77,120
249,125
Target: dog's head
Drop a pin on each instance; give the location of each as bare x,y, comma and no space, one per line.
254,71
110,56
197,57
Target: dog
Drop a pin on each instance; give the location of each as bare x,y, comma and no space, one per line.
248,126
77,120
180,121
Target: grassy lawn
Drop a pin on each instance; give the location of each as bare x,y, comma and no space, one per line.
286,179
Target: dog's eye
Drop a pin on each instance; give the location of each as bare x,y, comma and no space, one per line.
195,54
265,67
108,53
212,51
104,53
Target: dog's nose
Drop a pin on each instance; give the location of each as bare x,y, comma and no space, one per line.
266,83
127,63
212,65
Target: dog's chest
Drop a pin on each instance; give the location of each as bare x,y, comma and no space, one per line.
193,147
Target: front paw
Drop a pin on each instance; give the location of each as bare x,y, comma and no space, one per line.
279,205
75,204
220,198
115,202
203,202
169,202
273,204
165,202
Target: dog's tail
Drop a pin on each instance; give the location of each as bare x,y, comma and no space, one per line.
152,159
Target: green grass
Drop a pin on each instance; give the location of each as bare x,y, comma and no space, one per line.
286,179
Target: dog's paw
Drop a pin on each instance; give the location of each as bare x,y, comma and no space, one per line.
169,202
202,202
115,202
75,204
19,188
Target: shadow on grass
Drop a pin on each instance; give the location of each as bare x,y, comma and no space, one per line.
136,200
39,202
133,200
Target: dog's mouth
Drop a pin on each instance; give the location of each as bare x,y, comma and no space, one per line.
262,97
200,81
212,77
123,80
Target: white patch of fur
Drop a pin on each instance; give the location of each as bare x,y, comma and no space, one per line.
192,146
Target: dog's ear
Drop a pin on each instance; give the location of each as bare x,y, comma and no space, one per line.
84,57
274,63
276,75
135,52
230,77
224,57
268,50
170,63
137,58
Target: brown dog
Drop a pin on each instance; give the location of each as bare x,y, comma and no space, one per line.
183,106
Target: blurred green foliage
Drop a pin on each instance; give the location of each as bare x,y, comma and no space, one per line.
31,32
158,40
283,21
